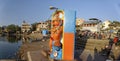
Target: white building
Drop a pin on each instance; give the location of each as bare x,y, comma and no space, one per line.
25,27
43,25
106,24
92,25
79,21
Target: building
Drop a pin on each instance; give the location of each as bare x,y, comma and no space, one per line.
92,25
79,22
4,28
106,24
25,27
43,25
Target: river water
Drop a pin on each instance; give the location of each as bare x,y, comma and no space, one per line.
9,45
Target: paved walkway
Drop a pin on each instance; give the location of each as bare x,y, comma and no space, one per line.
36,56
8,60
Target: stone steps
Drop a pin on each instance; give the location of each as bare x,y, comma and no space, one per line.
90,44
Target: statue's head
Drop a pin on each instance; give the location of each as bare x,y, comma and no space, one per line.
58,15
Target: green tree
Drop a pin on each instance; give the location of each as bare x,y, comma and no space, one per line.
0,29
18,28
34,26
114,24
12,28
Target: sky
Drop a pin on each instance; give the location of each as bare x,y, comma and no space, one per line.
16,11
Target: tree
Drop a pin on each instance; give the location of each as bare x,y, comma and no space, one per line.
114,24
18,28
0,29
13,28
34,26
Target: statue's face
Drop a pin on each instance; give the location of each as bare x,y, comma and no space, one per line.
56,17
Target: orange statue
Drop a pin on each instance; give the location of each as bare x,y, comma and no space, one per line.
56,33
57,29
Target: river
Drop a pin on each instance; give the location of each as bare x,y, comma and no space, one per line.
9,45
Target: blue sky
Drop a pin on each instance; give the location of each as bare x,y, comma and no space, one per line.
15,11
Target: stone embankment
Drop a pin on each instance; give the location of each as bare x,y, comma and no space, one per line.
85,49
33,48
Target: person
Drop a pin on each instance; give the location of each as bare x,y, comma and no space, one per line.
115,40
56,34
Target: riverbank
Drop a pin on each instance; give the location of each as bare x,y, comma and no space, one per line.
8,60
34,50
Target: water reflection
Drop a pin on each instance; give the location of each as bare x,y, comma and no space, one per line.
13,39
26,39
9,45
